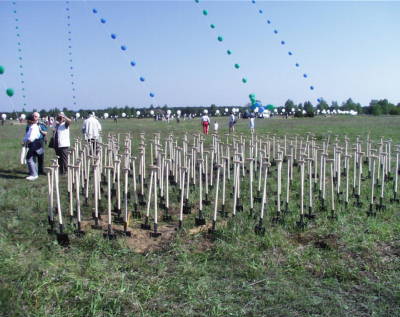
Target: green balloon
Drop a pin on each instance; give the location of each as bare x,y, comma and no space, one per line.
1,70
10,92
237,66
252,96
212,26
220,38
205,12
244,80
229,52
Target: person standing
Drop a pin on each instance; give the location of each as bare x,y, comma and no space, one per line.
62,141
91,129
43,133
216,126
32,142
205,122
252,124
231,122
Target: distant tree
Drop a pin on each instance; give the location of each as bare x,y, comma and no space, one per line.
309,108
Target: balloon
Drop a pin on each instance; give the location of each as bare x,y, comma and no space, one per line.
269,107
283,42
10,92
268,21
220,38
151,95
205,111
261,109
253,1
205,12
105,115
22,116
212,26
226,109
169,112
123,115
103,21
297,64
305,75
113,36
290,53
237,66
138,113
312,87
152,112
229,52
1,70
77,115
217,112
244,80
141,79
319,99
197,1
133,63
252,96
276,31
260,11
4,116
123,47
178,112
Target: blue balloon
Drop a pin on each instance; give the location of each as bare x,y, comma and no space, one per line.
123,47
268,21
253,1
283,42
141,79
94,11
253,106
276,31
290,53
312,87
260,11
151,95
103,21
297,64
319,100
113,36
305,75
261,109
133,63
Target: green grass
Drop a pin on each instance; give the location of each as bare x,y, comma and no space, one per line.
348,267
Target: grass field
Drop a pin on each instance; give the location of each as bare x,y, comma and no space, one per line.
347,267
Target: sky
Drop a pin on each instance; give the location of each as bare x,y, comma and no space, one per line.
347,49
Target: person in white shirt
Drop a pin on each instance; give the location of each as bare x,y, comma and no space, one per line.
32,142
205,122
91,129
216,126
62,141
231,123
252,124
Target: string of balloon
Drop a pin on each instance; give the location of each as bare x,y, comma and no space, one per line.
124,48
228,51
10,92
289,52
69,51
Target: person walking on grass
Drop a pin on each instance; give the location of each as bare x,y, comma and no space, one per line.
32,142
43,133
232,122
252,124
205,122
62,141
91,129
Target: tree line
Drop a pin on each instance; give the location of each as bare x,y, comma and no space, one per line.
307,109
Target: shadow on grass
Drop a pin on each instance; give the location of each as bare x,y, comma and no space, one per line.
11,174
